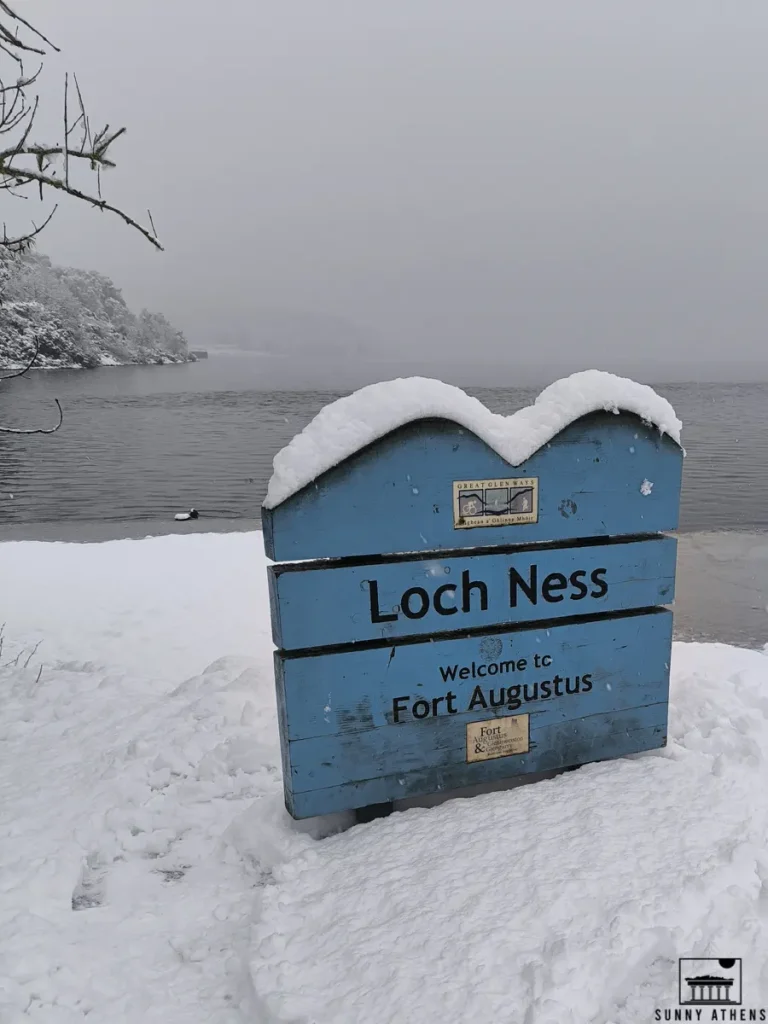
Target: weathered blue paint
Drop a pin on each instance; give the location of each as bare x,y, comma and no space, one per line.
318,606
396,495
599,738
350,721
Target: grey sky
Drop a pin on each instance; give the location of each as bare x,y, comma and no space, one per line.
540,183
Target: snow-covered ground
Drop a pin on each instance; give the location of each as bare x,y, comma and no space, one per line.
148,871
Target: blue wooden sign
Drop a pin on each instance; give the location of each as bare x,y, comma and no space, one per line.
443,618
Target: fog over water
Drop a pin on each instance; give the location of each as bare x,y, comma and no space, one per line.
465,189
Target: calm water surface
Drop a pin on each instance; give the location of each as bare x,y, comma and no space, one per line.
141,443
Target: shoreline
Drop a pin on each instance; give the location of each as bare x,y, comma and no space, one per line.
722,582
101,366
99,532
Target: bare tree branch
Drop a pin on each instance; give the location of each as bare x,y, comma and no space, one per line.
39,430
25,176
21,373
22,242
30,364
66,130
46,152
6,9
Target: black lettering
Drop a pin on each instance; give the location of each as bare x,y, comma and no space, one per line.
658,1015
586,682
575,689
467,586
478,700
448,673
522,664
396,708
557,680
435,703
599,583
555,581
439,606
376,615
481,670
546,660
496,702
581,588
527,586
450,697
535,692
426,709
405,603
506,666
464,674
513,698
493,669
546,689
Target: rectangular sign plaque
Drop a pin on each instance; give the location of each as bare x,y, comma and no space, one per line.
497,737
495,502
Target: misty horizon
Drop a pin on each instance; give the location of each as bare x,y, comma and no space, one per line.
278,371
517,188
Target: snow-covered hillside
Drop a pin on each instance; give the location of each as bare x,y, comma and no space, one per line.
78,318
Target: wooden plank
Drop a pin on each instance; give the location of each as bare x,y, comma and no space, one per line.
317,607
592,480
352,717
337,693
599,738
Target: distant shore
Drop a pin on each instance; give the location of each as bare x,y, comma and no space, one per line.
162,361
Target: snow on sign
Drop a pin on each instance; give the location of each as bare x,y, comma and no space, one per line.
459,597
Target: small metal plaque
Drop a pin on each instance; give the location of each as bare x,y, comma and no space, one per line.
495,502
497,737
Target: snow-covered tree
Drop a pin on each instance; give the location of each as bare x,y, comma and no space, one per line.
79,317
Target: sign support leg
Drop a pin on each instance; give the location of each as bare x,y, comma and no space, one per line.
372,812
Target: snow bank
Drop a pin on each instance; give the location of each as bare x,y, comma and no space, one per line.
129,751
349,424
564,902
